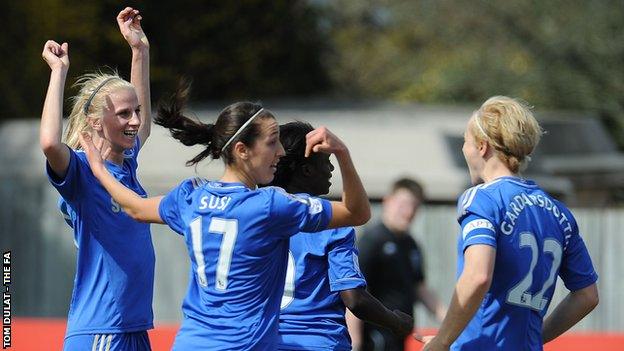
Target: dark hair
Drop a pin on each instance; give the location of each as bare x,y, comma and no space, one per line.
190,131
410,185
293,139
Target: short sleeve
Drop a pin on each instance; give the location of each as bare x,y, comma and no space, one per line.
477,217
297,213
173,205
577,270
344,268
68,186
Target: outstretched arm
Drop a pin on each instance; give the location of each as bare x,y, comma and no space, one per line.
140,209
569,311
431,302
366,307
129,21
472,285
51,129
354,209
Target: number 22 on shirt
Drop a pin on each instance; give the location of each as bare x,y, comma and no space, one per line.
519,294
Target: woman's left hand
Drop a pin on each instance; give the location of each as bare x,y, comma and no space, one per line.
323,140
129,21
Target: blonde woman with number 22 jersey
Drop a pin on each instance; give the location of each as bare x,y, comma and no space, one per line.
515,240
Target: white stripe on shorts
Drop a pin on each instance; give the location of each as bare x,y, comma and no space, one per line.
95,340
102,342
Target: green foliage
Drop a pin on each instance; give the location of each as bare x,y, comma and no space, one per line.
250,49
240,49
554,54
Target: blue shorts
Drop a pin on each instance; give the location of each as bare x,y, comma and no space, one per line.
137,341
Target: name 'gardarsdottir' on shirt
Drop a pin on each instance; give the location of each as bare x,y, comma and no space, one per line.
536,239
521,201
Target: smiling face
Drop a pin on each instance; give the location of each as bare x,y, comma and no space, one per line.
265,152
121,119
318,173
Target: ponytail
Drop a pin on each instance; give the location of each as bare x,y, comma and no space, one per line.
237,122
186,130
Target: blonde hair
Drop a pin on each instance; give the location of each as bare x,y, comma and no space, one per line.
509,126
90,101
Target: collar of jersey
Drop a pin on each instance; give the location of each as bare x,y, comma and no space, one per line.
518,180
110,165
227,185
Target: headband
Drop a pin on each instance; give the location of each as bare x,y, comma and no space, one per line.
505,149
240,130
88,103
479,126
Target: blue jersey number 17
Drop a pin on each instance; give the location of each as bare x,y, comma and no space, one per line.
229,229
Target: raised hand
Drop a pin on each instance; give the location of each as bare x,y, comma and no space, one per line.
129,21
94,153
55,55
322,140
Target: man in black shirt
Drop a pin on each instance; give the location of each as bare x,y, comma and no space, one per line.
392,263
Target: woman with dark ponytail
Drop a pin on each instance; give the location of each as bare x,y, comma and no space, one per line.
236,234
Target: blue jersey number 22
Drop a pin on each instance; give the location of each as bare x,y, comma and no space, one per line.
519,294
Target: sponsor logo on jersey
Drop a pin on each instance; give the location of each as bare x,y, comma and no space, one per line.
315,206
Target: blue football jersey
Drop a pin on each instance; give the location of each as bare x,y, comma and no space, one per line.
536,239
114,281
237,240
320,265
